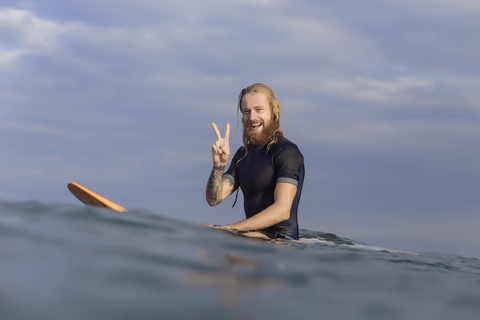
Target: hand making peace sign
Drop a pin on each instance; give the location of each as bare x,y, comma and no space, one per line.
221,149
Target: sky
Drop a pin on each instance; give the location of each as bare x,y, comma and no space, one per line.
381,97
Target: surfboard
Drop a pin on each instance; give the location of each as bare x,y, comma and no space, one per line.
90,198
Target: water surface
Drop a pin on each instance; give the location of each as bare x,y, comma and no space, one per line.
76,262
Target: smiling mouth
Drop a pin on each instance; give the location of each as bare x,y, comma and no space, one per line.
255,126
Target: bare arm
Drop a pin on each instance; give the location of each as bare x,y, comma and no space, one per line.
279,211
218,187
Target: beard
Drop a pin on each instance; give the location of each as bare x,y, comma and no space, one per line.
259,138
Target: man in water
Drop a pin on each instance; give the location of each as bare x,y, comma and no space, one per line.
268,168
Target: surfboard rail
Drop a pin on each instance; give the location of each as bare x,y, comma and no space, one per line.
90,198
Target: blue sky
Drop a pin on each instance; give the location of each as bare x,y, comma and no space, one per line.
381,98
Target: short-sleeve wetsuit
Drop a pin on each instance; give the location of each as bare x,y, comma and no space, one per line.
257,176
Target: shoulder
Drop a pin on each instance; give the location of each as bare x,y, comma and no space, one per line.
284,145
288,159
285,150
240,152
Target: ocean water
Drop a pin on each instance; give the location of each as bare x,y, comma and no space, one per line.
74,262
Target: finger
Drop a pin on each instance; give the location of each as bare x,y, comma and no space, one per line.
217,132
218,147
214,148
227,131
223,148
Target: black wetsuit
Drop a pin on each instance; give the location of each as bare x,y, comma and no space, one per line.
257,176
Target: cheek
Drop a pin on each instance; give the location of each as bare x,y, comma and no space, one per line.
268,117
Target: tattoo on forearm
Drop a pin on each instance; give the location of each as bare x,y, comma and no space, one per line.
214,184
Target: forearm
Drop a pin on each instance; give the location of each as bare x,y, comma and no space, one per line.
277,212
272,215
214,190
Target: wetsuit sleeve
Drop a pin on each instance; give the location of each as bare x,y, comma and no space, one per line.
232,172
289,162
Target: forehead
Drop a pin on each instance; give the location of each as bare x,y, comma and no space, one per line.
252,100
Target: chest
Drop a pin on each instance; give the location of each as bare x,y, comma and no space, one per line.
257,172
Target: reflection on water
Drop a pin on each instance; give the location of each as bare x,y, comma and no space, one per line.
231,275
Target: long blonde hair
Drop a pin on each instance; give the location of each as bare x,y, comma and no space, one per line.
274,108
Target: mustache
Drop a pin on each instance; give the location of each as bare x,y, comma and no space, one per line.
250,122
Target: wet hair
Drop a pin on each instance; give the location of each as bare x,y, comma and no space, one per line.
274,109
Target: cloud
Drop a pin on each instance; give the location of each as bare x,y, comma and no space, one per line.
461,5
23,33
382,99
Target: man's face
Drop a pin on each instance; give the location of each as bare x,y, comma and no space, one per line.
257,119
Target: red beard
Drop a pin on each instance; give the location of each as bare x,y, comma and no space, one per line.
259,138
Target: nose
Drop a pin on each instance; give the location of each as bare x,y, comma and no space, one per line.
253,116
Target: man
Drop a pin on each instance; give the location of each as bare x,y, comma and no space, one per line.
268,168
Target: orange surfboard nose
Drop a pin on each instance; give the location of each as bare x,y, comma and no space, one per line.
90,198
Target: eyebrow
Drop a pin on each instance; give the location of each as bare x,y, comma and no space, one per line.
254,107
